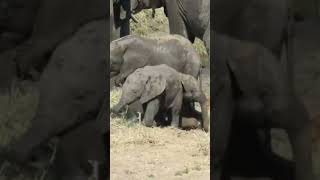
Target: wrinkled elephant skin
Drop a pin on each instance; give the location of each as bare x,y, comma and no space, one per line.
248,76
39,28
161,89
186,17
132,52
71,93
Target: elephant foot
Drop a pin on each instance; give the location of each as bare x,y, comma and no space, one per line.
190,123
148,123
175,124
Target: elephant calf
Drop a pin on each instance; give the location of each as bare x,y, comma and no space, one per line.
132,52
162,89
251,87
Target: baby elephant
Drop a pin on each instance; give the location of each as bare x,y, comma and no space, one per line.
162,89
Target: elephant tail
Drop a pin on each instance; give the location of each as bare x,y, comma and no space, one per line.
200,77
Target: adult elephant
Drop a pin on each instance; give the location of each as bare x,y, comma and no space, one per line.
261,21
31,30
72,89
251,88
186,17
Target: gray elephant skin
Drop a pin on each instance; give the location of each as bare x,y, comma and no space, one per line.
162,89
132,52
188,18
250,87
261,21
72,89
31,30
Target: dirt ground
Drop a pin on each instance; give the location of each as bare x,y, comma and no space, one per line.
138,152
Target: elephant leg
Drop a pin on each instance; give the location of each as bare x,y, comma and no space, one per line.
77,150
125,28
206,39
301,146
175,119
294,118
301,141
176,23
221,128
281,168
151,111
125,23
176,109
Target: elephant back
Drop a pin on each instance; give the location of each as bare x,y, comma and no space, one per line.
149,82
183,49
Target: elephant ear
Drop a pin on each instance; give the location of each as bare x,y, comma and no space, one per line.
189,83
154,87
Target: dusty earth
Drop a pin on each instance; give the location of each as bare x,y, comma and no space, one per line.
138,152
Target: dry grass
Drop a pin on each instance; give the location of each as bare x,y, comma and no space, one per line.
16,112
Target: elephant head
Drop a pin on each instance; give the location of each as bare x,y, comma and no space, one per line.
193,92
116,58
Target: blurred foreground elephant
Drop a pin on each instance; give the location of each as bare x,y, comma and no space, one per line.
161,89
251,88
72,90
30,31
261,21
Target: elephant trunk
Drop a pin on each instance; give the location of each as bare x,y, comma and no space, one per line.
204,111
133,18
